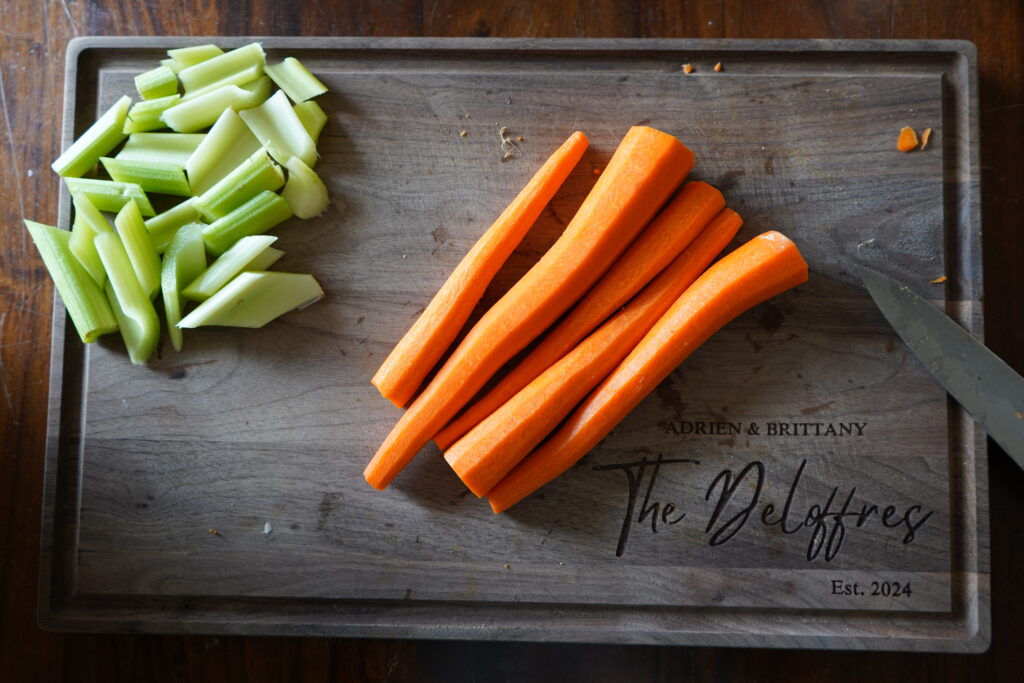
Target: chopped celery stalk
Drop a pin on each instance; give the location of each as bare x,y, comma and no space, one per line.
228,144
83,298
275,124
305,192
252,176
151,176
184,57
265,259
198,113
171,64
99,139
254,299
81,245
158,82
255,217
238,78
136,317
295,79
183,261
169,148
139,248
146,115
232,262
109,195
312,117
163,227
86,211
222,66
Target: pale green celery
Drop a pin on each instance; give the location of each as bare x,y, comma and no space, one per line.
252,176
168,148
158,82
312,117
86,211
109,195
295,79
238,78
155,177
305,192
184,57
164,226
265,259
232,262
222,66
254,299
83,298
183,261
98,140
147,114
228,144
275,124
255,217
136,317
81,245
144,259
171,64
198,113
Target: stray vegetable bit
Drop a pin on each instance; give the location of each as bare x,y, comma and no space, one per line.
907,140
687,68
508,147
519,138
939,280
925,137
214,532
718,66
506,565
463,133
1019,415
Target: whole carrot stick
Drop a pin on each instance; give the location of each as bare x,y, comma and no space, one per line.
674,228
496,445
763,267
418,351
647,166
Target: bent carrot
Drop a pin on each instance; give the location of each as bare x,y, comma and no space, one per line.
496,445
426,341
643,172
763,267
674,228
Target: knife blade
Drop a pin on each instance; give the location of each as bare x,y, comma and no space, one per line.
989,389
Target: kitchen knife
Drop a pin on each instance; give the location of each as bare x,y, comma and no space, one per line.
984,385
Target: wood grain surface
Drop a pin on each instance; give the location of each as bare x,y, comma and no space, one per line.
30,77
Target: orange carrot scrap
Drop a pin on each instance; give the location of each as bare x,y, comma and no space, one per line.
925,136
907,140
687,68
939,280
718,66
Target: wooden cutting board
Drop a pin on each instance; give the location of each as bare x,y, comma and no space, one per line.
799,482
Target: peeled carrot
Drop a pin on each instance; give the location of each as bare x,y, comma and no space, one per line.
907,140
496,445
418,351
674,228
763,267
647,166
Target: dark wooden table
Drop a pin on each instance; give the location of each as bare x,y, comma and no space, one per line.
33,37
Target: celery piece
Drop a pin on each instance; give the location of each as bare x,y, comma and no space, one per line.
255,217
184,57
183,261
136,317
265,259
254,299
89,222
109,195
163,227
198,113
147,114
99,139
169,148
144,259
228,144
312,117
305,192
242,77
232,262
275,124
222,66
252,176
295,79
158,82
83,298
171,64
151,176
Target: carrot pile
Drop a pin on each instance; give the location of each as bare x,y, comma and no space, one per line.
631,275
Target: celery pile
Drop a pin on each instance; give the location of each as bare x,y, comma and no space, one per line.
242,158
